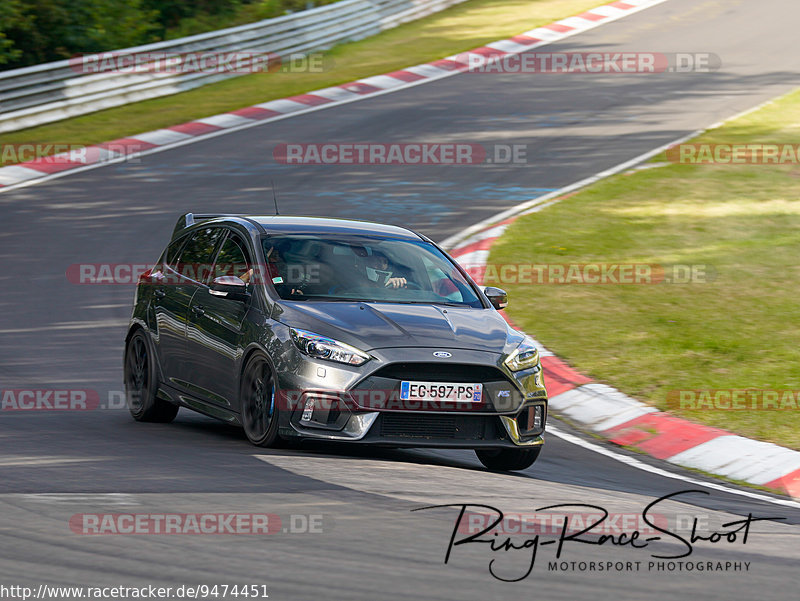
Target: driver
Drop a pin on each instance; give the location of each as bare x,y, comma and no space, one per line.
277,271
380,269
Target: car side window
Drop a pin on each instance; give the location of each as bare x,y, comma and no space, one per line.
173,252
196,257
233,259
444,284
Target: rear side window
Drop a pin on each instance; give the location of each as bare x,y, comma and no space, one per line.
197,256
233,259
173,252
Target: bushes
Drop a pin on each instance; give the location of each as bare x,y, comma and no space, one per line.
48,30
13,20
39,31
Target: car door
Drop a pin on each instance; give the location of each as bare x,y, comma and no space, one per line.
215,326
171,298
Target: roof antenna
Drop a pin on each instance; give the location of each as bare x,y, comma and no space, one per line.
274,196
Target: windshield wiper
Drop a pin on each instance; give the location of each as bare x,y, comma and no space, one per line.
451,304
407,302
329,299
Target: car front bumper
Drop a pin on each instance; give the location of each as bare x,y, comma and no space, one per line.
328,401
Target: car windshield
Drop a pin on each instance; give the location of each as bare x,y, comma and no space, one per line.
309,267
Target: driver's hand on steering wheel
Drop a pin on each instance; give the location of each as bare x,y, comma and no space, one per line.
396,283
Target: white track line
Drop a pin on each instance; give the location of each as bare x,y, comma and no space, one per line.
541,202
551,198
635,463
256,123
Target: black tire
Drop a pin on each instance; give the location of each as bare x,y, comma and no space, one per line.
508,460
141,383
257,403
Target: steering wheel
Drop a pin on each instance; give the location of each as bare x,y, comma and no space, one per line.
409,286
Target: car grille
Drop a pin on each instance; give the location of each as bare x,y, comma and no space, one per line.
500,394
415,425
440,372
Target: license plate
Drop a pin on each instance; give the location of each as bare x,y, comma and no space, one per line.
440,391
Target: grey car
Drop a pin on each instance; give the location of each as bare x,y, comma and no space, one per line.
302,328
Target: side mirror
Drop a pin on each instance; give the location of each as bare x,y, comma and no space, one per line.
497,297
154,275
230,287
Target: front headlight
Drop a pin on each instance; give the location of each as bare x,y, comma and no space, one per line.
525,356
322,347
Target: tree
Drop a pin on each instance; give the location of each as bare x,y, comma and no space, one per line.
13,19
39,31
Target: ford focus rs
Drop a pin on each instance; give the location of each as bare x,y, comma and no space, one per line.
328,329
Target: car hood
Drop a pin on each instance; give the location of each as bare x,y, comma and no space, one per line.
389,325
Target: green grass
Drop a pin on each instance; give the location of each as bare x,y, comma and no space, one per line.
738,331
238,14
457,29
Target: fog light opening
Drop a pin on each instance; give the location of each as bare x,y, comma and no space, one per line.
531,420
320,410
308,410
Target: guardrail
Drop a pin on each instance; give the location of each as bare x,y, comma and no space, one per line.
53,91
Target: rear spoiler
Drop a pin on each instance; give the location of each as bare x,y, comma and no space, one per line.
189,219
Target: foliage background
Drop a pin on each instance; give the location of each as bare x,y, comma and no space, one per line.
40,31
